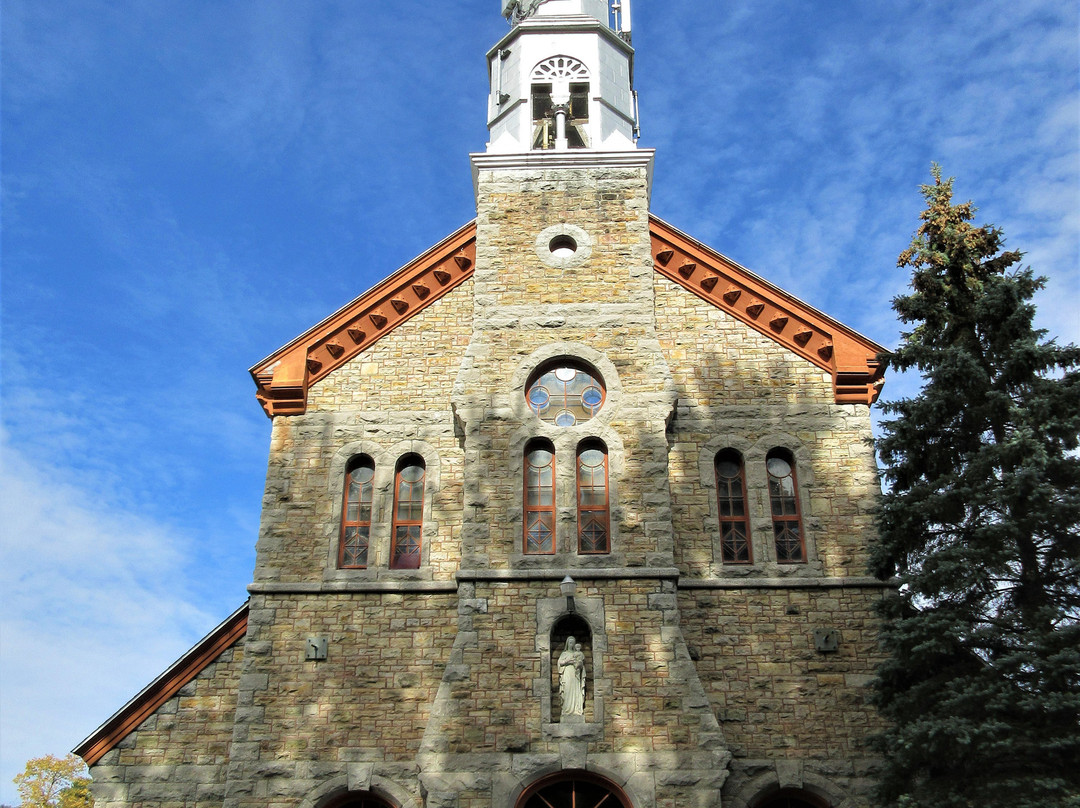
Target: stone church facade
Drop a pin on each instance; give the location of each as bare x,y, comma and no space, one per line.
567,419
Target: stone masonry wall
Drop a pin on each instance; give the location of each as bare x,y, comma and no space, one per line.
783,705
390,400
373,691
178,755
594,307
739,389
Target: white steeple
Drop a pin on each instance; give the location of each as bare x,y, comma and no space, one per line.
561,79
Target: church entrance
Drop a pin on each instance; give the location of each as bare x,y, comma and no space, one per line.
573,789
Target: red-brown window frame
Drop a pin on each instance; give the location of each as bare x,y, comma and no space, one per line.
359,461
408,461
733,521
601,513
782,522
529,508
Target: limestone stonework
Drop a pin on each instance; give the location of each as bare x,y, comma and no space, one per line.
708,683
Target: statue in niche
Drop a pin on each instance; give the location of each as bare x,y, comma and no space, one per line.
572,678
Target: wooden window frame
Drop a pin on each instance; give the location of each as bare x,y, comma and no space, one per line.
783,522
732,523
408,461
528,508
599,513
615,797
355,463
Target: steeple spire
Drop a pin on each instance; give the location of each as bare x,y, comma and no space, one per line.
561,79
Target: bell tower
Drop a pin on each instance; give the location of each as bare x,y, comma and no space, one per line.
562,78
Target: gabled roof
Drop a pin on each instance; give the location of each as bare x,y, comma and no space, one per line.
163,688
851,358
284,378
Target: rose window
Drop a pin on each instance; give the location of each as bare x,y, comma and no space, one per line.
564,395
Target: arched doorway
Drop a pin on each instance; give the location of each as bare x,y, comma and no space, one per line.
791,798
573,789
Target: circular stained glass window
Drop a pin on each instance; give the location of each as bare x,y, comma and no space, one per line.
565,394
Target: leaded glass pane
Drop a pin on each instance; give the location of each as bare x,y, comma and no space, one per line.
406,547
356,546
565,395
539,533
788,544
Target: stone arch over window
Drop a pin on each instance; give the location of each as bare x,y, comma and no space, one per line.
573,788
358,799
785,784
357,502
565,444
755,450
360,784
381,537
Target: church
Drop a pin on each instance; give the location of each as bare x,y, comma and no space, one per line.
570,511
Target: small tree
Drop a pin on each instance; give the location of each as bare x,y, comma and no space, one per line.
980,523
52,782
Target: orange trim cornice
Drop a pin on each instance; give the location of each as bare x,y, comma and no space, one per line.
284,378
185,669
851,358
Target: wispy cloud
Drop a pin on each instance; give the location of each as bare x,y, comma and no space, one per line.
83,580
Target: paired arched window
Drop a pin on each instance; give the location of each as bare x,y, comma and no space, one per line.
593,521
356,513
784,507
408,513
734,515
406,542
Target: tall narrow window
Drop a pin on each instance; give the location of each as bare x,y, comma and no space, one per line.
356,513
592,487
408,513
731,497
539,497
784,503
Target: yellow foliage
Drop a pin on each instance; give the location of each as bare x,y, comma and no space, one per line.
52,782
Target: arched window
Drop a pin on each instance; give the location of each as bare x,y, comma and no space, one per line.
731,499
784,505
573,789
539,497
356,513
408,513
592,498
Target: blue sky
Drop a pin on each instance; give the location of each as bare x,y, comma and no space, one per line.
187,185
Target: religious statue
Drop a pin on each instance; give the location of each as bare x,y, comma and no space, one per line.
572,678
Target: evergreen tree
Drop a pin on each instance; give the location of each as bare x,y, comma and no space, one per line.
980,523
